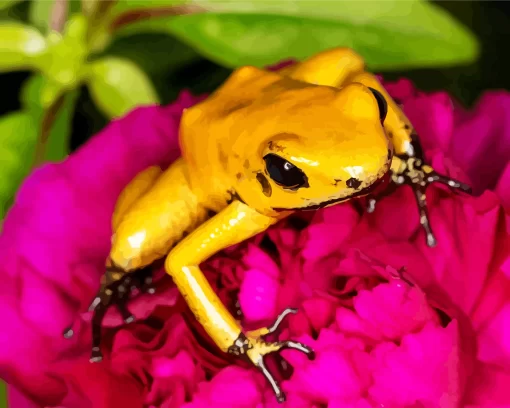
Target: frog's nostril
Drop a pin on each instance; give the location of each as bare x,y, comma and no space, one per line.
353,183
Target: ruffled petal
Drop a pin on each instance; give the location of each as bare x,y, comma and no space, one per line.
402,379
481,144
56,237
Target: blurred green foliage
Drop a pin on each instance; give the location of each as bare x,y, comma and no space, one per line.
260,32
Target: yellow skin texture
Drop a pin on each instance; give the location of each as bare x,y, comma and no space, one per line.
319,115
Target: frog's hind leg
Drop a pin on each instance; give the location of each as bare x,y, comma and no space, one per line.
116,292
153,213
328,68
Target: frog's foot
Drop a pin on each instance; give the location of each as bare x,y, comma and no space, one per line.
252,345
416,173
116,286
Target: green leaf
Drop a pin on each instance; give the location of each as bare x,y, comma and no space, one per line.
145,50
8,3
124,6
40,12
117,86
57,146
19,134
65,58
391,34
17,141
21,46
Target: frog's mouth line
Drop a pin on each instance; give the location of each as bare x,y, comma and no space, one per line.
364,191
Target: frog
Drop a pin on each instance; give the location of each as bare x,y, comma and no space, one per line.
265,145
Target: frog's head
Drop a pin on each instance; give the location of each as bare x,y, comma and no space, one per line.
314,147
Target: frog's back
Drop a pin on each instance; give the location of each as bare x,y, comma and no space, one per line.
207,131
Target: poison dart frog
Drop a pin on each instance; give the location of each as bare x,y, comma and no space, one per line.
265,145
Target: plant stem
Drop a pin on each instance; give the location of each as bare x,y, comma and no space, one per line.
58,16
47,122
58,20
133,16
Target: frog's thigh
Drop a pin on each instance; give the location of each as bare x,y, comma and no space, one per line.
329,68
397,125
236,223
137,187
156,220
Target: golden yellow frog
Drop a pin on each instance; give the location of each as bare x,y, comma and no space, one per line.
264,145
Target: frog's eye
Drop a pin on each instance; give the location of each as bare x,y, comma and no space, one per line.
285,173
381,102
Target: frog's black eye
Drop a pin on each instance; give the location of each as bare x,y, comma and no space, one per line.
381,102
285,173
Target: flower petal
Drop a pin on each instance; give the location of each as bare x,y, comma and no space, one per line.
432,117
329,230
258,296
56,237
394,309
481,144
401,377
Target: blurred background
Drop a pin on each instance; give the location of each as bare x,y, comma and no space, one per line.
69,67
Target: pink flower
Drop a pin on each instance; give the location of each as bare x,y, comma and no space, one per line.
435,334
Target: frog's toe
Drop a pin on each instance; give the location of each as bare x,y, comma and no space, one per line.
96,355
116,287
259,349
276,324
419,175
434,177
253,346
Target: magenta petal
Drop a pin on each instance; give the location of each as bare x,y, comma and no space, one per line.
494,340
361,403
401,376
396,216
56,238
18,400
329,231
234,387
432,117
489,388
503,187
481,144
179,366
461,261
320,312
331,376
401,90
256,258
394,309
258,295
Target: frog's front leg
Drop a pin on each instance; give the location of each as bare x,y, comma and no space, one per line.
414,172
234,224
408,165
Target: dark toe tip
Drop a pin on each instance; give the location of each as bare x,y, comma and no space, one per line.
129,319
431,241
96,355
311,355
68,333
280,397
